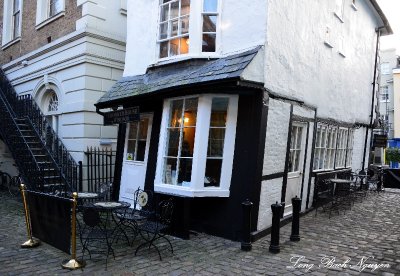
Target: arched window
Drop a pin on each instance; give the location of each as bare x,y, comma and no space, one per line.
52,102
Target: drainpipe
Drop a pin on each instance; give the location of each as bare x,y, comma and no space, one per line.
378,35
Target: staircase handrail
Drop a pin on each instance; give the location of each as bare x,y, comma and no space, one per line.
25,106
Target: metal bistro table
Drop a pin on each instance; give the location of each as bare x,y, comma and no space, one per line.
101,224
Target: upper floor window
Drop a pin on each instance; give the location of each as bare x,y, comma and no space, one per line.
11,21
55,7
48,10
178,18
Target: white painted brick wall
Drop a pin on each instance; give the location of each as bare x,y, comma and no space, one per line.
270,193
276,140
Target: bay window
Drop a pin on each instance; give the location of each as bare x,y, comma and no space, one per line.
196,145
187,27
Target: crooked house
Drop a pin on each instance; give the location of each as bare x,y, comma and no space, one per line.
225,100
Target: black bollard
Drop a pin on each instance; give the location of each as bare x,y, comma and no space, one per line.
296,205
283,209
246,227
276,220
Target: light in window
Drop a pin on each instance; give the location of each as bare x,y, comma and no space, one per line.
174,28
181,131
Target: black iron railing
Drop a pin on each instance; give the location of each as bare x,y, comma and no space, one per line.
25,107
100,167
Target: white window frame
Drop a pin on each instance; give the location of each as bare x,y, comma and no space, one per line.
195,33
320,149
196,188
295,148
8,37
331,136
349,150
43,16
339,11
149,117
341,149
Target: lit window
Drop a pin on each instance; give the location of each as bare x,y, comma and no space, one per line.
137,140
196,145
174,27
210,17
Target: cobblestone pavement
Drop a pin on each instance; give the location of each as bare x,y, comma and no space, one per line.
370,229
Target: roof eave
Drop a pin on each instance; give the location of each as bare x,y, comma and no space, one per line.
386,29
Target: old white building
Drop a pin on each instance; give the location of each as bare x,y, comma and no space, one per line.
244,99
65,55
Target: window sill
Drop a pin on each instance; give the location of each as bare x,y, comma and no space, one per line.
11,42
341,54
168,60
327,44
49,20
354,7
189,192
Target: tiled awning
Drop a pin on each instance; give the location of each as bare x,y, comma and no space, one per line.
190,72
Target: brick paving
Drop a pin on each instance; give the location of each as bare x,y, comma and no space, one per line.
371,229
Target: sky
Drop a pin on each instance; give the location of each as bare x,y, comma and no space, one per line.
391,8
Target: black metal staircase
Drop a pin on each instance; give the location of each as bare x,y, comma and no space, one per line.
42,159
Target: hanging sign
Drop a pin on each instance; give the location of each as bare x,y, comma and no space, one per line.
125,115
380,141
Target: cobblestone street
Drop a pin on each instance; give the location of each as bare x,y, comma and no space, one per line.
370,230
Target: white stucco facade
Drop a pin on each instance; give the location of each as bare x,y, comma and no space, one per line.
80,67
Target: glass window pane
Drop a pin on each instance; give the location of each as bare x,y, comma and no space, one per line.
185,7
164,49
299,136
174,27
209,23
16,6
143,126
210,5
190,114
216,142
185,171
208,44
184,24
184,49
176,113
173,141
188,141
164,14
141,149
16,25
130,152
174,9
174,47
219,111
163,30
132,130
169,174
213,173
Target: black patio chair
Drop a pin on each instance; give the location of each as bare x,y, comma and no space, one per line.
153,229
324,196
95,238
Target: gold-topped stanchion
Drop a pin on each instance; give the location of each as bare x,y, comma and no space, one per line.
31,242
73,263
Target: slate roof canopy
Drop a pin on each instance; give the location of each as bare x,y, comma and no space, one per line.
189,72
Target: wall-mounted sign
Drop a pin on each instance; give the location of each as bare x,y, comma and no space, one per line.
125,115
380,141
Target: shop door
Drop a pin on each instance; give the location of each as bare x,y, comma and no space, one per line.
296,160
136,152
